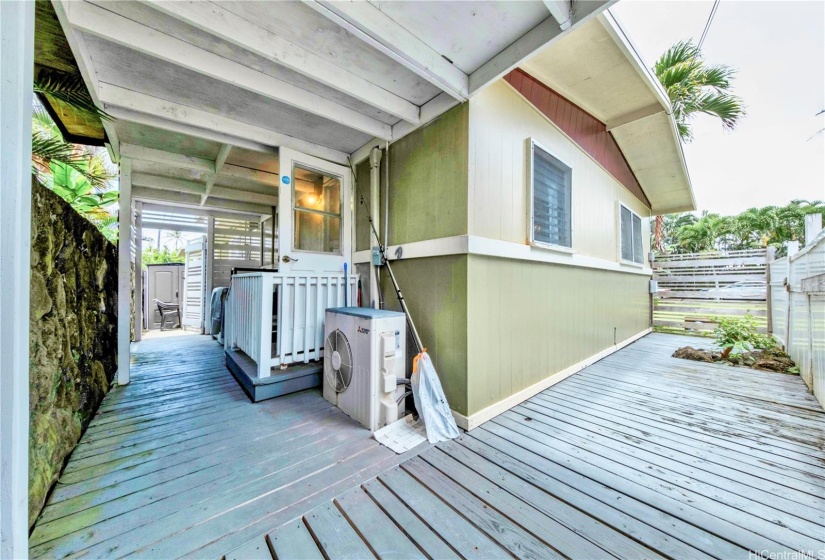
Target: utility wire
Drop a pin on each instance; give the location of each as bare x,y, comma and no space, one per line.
710,20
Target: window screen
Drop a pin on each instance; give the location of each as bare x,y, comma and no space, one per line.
631,235
551,200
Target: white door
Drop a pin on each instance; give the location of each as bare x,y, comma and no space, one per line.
194,284
314,215
162,283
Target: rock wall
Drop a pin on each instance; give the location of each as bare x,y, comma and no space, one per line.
73,334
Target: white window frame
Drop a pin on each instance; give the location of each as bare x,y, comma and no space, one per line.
530,199
619,234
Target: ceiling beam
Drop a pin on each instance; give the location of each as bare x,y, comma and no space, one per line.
374,27
131,34
531,43
222,23
148,194
116,96
167,183
155,121
634,116
223,153
228,193
562,12
181,161
191,187
248,174
166,158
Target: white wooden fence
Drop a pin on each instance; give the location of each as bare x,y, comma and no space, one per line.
797,291
693,289
299,302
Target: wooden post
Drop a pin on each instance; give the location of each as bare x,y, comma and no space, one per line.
16,64
138,271
124,272
770,256
209,264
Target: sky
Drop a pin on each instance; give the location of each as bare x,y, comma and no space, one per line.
778,48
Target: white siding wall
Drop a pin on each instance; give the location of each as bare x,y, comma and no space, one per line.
501,121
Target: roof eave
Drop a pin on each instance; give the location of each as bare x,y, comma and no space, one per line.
624,43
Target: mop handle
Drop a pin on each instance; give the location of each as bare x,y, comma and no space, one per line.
417,339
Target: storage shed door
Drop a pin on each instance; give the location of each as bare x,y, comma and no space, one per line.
194,284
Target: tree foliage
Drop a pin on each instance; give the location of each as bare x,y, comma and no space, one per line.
151,255
752,229
695,87
81,175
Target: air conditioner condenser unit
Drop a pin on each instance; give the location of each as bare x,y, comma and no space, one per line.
364,356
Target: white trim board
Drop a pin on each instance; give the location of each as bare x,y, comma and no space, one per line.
473,421
477,245
17,62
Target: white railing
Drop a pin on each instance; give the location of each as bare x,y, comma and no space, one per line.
800,313
300,302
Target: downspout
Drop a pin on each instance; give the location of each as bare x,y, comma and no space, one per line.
375,212
387,199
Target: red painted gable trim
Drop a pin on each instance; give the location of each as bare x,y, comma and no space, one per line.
584,129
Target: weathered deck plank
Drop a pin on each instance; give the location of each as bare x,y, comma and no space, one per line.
638,456
180,461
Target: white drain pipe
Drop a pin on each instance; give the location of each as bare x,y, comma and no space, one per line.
375,212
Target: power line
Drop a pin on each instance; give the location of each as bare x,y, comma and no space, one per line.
710,20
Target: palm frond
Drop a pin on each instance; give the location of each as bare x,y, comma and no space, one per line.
729,108
69,89
718,76
48,150
681,52
694,87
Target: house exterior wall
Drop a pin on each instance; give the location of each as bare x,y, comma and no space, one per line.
530,319
501,122
428,200
499,316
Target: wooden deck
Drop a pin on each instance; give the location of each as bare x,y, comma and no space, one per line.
180,462
638,456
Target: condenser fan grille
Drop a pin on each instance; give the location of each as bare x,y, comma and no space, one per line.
337,361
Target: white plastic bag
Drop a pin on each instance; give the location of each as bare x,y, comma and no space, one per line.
430,401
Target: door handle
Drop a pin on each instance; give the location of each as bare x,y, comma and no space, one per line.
287,258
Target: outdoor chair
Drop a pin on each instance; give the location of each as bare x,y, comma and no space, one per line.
168,312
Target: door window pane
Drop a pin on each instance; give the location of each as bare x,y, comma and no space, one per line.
317,211
317,233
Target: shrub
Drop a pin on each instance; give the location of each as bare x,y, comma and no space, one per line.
737,335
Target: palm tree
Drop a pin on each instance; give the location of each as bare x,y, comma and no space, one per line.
176,237
694,87
708,233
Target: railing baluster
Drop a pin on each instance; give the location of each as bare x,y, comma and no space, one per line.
265,337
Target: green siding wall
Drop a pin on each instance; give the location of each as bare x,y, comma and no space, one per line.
428,183
530,320
435,290
428,200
